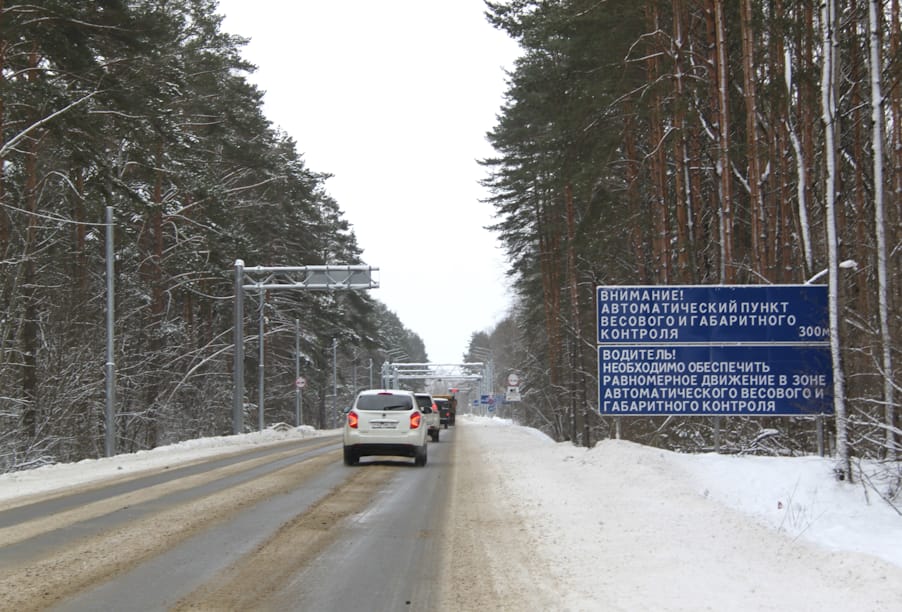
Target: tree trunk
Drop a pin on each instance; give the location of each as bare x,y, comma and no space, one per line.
856,232
637,235
683,208
79,259
29,279
894,204
579,417
895,207
658,162
725,217
880,225
5,224
807,119
154,277
548,247
828,106
781,226
756,204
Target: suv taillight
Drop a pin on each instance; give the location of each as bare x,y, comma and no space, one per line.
415,419
353,419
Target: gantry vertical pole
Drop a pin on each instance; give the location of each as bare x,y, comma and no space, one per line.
297,373
260,356
238,335
110,366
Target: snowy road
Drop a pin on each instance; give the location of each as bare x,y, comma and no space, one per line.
279,528
502,518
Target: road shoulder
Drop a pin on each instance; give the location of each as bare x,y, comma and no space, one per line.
490,561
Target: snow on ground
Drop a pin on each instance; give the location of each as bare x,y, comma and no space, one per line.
629,527
608,518
64,475
798,496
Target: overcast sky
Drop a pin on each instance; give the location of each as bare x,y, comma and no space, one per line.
394,99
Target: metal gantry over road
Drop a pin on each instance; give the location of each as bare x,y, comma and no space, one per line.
282,278
393,373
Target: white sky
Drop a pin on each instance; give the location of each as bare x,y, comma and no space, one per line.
394,99
635,527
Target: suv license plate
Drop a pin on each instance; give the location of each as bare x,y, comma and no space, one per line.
383,425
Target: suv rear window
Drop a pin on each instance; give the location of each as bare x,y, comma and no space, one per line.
423,401
384,402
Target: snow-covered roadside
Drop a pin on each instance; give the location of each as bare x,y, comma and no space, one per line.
628,527
63,475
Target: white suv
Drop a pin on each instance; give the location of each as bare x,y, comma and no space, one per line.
385,422
428,407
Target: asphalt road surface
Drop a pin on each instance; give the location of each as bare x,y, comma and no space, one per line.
287,527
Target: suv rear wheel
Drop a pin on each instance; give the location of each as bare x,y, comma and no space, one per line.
420,456
351,457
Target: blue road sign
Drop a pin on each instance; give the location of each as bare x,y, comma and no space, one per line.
712,314
776,380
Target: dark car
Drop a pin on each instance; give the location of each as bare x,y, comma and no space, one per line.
452,402
444,410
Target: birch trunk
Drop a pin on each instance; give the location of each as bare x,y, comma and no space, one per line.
807,120
828,108
879,226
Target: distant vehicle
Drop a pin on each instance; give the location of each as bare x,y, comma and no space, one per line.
427,405
444,410
385,422
453,399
